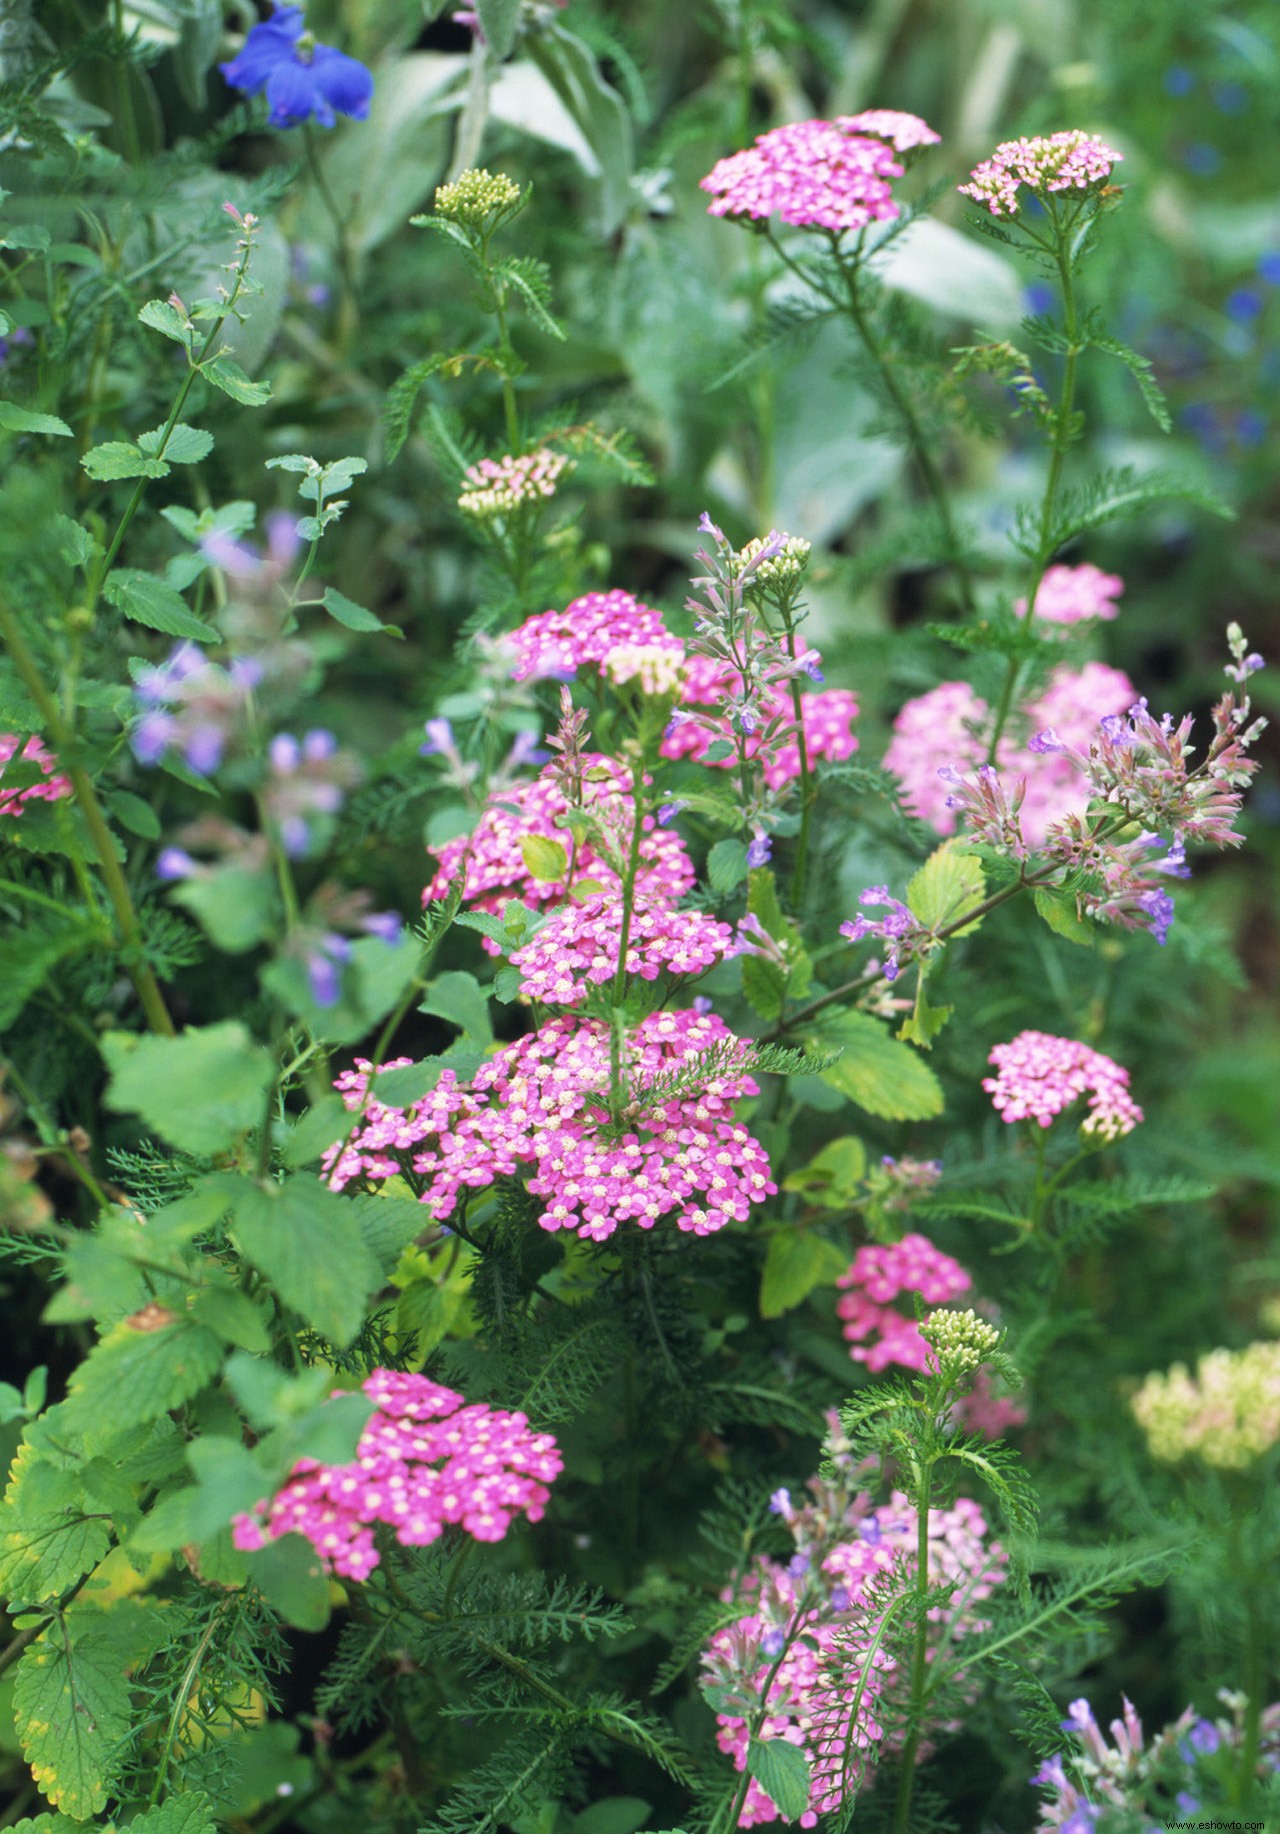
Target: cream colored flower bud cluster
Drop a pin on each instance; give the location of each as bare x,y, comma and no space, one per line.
475,195
500,486
961,1341
783,568
1227,1414
659,669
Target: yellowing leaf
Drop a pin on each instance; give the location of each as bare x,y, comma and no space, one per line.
876,1072
545,858
71,1709
949,883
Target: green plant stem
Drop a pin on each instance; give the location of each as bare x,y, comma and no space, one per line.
808,787
347,314
193,370
507,358
190,1676
628,907
130,932
919,1660
1062,435
932,477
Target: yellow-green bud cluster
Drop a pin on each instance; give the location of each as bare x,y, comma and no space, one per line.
1228,1414
961,1341
497,487
785,568
476,195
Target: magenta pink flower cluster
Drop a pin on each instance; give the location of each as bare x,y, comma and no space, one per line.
817,1611
542,1105
904,132
1074,595
53,786
949,728
576,950
812,174
559,643
1070,161
877,1275
1039,1076
828,719
425,1461
495,866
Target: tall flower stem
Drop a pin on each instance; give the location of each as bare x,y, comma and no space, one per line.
63,736
347,313
919,1658
1063,433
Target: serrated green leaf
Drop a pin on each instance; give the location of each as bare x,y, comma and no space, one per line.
46,1824
319,1128
546,859
25,420
119,458
236,906
50,1536
306,1240
949,883
184,446
832,1176
764,984
782,1771
137,1372
233,1317
875,1071
225,373
289,1574
796,1262
166,319
727,865
925,1021
30,956
200,1091
134,814
71,1707
188,1813
151,601
1059,911
459,998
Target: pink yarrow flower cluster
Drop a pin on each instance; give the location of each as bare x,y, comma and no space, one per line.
811,174
820,1613
575,953
1075,595
1039,1076
828,718
878,1274
496,487
1045,164
541,1106
52,786
495,866
904,132
559,643
426,1461
948,730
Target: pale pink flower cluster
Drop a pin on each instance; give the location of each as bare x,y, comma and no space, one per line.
1074,595
812,174
658,668
820,1612
903,131
495,866
828,719
949,728
425,1461
559,643
1039,1076
542,1105
877,1275
1227,1414
53,787
496,487
1070,161
576,950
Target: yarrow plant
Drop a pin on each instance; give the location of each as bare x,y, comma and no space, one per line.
1038,1077
1045,165
1227,1414
425,1462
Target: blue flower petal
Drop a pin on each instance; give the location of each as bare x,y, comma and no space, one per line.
295,96
267,46
343,81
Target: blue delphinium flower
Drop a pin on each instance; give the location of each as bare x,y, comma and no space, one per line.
304,81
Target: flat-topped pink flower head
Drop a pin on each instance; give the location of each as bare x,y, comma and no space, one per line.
812,174
904,132
559,643
1045,164
1074,595
426,1460
1039,1076
575,953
